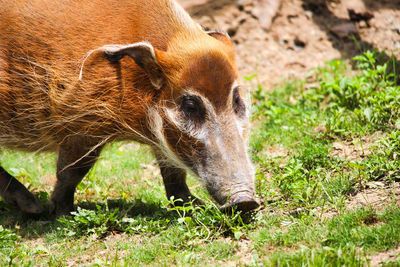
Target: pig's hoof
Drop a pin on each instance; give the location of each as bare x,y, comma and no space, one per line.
244,204
24,199
31,206
57,210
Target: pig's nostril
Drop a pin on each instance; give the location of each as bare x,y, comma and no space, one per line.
244,204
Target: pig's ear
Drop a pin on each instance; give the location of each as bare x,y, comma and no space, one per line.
221,36
144,56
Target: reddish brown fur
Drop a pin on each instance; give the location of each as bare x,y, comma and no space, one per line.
217,86
44,105
47,55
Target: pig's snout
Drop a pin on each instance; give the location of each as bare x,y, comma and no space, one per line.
244,203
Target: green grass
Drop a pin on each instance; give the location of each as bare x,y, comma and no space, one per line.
316,143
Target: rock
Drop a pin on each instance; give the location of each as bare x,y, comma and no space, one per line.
344,30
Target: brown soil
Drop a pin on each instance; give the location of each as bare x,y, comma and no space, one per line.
304,33
380,258
377,195
356,149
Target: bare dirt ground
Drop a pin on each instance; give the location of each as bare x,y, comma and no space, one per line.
304,33
380,258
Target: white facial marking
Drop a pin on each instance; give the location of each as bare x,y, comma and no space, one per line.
239,126
156,126
197,132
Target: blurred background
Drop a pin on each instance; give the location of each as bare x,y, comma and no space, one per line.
279,39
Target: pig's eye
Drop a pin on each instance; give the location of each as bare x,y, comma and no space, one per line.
238,105
193,108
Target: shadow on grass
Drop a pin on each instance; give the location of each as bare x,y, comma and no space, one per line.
34,226
129,208
119,215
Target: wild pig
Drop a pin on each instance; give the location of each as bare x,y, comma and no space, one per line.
76,75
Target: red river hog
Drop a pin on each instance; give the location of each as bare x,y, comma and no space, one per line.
76,75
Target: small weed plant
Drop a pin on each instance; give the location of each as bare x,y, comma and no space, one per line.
87,222
206,222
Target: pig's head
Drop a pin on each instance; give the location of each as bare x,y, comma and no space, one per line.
201,116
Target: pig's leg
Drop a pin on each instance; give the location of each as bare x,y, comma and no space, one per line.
12,191
75,159
175,183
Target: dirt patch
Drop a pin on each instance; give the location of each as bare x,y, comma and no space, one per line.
48,182
101,250
303,34
349,150
376,195
390,255
277,151
357,149
150,170
243,253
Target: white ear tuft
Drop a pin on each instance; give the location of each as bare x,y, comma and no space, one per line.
142,53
